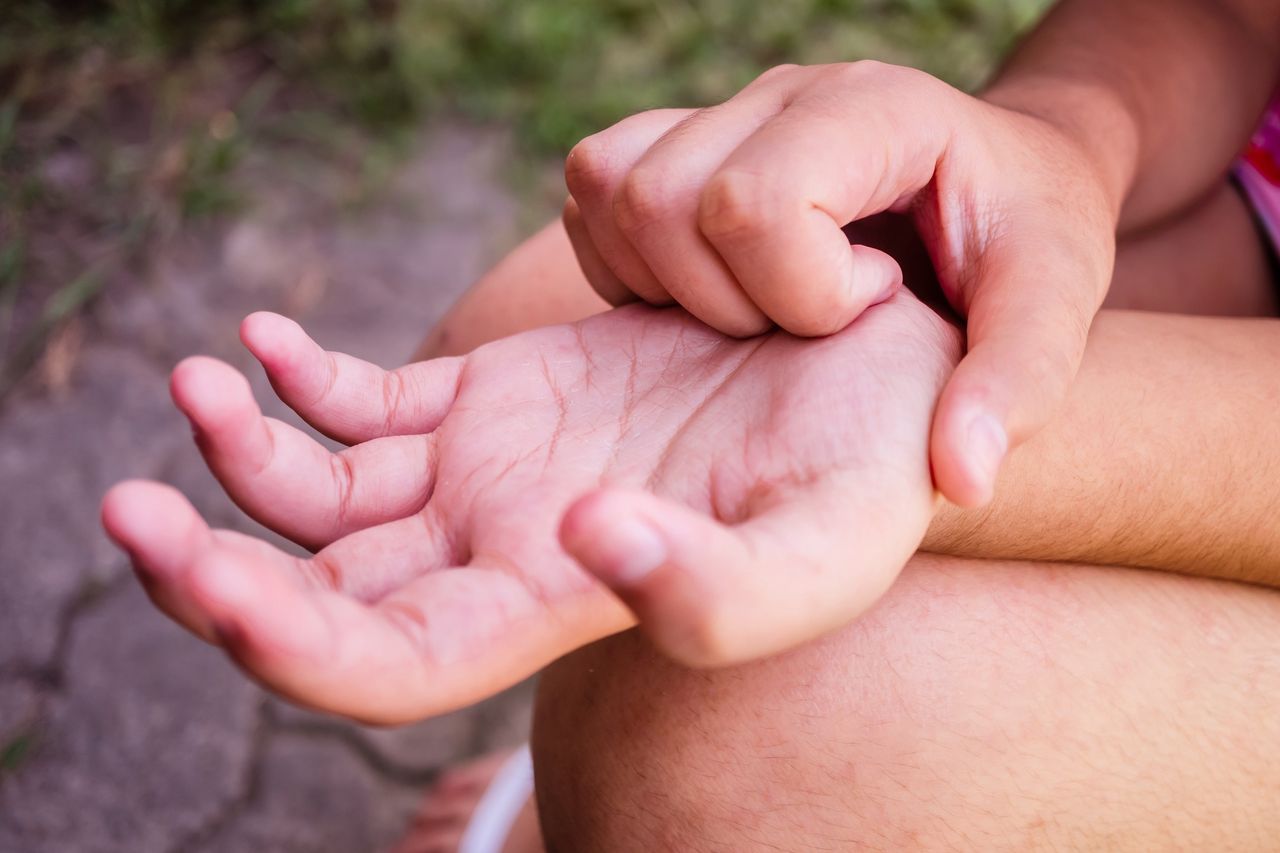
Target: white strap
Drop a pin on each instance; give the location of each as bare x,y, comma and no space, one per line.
500,805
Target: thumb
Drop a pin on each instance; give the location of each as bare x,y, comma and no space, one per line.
711,594
1027,329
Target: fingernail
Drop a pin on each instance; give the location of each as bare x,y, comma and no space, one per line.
987,445
635,551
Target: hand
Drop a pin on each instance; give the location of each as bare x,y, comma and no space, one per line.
739,496
735,212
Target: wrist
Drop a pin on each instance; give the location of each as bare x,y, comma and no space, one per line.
1090,116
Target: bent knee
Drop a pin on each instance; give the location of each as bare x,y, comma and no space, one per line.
978,705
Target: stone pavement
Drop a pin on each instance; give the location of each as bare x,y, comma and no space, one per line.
118,731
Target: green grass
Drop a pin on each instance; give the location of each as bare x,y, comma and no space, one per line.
15,752
159,102
558,68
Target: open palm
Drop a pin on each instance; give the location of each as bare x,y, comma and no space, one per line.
739,496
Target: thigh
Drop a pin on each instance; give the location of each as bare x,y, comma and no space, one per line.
979,706
1211,260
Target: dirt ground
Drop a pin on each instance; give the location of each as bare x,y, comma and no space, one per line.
118,731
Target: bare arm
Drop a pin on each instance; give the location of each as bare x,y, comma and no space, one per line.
1163,93
1166,456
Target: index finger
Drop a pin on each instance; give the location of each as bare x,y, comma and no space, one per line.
344,397
775,208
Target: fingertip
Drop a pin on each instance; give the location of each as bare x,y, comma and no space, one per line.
185,377
655,556
609,535
117,497
118,508
210,392
273,339
745,324
875,276
870,278
817,325
967,449
154,523
131,503
834,311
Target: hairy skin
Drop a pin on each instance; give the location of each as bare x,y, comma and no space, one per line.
439,578
980,705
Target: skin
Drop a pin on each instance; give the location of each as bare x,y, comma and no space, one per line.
736,212
1182,476
439,577
372,625
316,629
1191,367
1111,116
438,532
1162,92
978,706
949,624
600,760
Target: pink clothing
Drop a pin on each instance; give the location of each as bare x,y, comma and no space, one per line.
1258,171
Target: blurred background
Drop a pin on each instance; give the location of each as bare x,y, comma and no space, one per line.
167,166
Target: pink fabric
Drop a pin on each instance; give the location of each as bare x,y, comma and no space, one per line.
1258,171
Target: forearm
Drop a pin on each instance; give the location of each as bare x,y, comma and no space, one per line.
1166,456
1162,93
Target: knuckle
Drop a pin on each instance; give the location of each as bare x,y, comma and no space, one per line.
873,73
587,169
862,70
643,198
786,69
393,401
344,479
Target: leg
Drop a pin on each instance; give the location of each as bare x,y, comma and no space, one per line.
1210,260
979,706
1158,270
449,804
